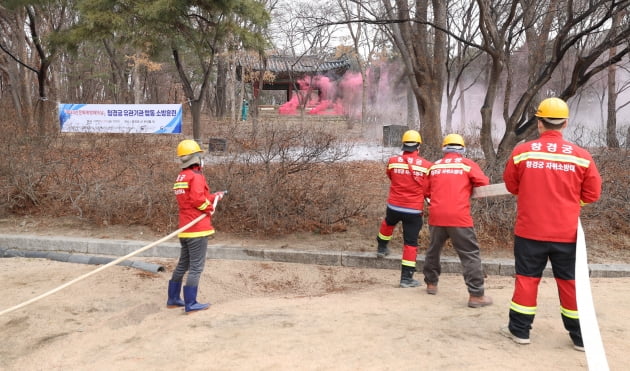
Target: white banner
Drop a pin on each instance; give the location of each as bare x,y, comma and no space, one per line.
121,118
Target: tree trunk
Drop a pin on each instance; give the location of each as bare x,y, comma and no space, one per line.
42,71
12,86
137,84
411,109
462,105
611,121
194,103
221,88
423,51
364,97
431,133
232,90
487,109
195,113
449,115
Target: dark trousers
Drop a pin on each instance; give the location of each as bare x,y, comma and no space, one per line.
192,259
530,257
465,244
411,225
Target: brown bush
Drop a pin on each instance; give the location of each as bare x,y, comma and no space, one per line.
106,179
286,181
281,179
609,218
290,178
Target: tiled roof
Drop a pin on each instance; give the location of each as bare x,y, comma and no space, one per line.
304,64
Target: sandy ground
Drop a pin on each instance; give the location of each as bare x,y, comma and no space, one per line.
280,316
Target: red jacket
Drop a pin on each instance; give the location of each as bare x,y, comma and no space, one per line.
450,185
407,190
550,176
194,198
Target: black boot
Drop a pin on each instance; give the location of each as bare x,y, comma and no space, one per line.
382,250
406,277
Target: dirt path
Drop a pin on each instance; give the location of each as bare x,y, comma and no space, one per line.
279,316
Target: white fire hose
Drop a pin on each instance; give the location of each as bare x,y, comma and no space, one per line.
595,353
113,262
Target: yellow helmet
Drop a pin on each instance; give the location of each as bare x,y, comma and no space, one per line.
453,139
411,136
187,147
553,108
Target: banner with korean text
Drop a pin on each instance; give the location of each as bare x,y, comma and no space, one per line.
121,118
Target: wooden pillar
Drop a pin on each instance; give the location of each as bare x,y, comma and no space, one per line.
256,88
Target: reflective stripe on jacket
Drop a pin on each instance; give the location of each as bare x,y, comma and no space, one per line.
450,183
193,198
406,190
551,177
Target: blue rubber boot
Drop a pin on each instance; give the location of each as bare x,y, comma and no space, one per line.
174,300
190,298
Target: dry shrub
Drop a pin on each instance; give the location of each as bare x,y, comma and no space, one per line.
607,221
322,198
290,178
281,179
102,178
494,221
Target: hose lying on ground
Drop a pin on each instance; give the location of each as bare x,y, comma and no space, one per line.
114,262
81,259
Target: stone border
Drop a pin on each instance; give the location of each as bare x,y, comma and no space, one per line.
93,246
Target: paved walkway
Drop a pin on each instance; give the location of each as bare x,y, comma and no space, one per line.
75,250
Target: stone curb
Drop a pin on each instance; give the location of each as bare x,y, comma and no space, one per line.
499,267
79,258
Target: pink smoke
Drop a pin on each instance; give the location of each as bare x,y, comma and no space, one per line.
322,96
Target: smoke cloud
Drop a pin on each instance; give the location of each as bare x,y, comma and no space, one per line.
387,104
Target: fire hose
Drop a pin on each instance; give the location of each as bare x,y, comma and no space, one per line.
114,262
595,353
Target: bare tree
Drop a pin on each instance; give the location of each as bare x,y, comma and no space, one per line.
423,51
303,32
29,42
192,31
462,22
563,41
557,32
611,121
13,44
366,41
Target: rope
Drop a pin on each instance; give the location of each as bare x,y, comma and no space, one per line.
114,262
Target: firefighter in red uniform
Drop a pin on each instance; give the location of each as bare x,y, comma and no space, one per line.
449,187
552,179
193,199
407,173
